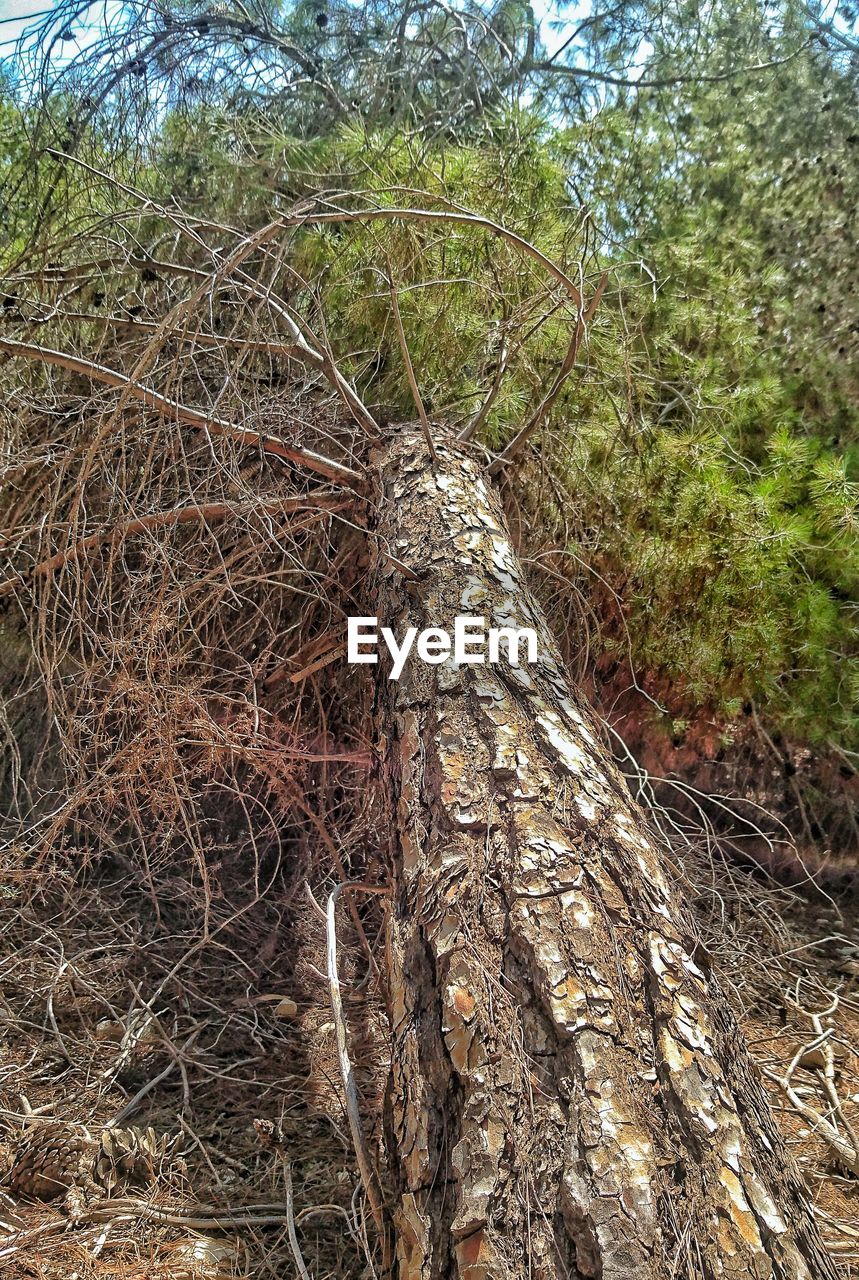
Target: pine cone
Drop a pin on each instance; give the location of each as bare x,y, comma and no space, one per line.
128,1155
55,1160
51,1161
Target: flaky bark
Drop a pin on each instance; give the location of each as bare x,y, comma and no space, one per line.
570,1096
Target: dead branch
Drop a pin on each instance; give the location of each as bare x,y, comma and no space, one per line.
327,658
410,369
317,356
817,1054
449,216
327,467
290,1226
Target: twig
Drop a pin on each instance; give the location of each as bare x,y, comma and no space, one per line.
410,372
290,1226
365,1166
133,1103
327,658
50,1010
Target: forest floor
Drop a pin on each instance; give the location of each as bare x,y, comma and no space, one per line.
223,1031
121,984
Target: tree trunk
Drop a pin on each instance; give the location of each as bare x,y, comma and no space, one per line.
570,1096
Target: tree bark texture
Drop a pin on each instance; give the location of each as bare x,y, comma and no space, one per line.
570,1095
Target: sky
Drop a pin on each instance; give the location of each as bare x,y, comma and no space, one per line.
17,15
14,17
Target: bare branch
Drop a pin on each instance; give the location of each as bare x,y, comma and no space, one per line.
551,67
449,216
317,356
410,371
327,467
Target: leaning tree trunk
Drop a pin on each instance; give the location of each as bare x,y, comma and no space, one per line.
570,1096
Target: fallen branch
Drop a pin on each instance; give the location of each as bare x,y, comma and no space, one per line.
200,1217
470,430
250,346
447,216
818,1054
318,664
320,358
290,1227
410,369
271,445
